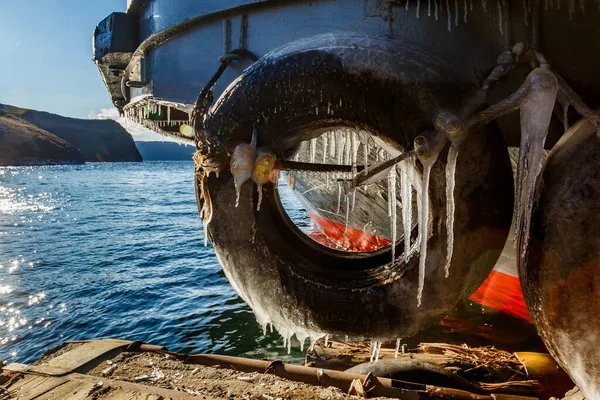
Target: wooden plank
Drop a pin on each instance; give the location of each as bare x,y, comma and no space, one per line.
16,367
79,387
33,386
89,352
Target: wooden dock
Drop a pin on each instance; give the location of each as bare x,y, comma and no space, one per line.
117,369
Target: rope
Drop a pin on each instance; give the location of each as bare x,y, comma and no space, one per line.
313,167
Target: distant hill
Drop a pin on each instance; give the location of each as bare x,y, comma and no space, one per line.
155,151
96,140
26,144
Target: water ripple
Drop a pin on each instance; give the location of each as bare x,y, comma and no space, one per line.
114,250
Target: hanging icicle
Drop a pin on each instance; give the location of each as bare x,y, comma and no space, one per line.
429,8
347,146
393,210
366,154
332,145
347,198
406,168
455,13
260,195
450,205
373,349
536,112
339,203
340,147
428,150
451,126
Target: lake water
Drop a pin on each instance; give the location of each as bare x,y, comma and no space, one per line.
115,250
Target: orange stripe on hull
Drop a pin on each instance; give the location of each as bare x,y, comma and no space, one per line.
348,238
502,292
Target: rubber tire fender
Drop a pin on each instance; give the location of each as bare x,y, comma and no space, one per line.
392,90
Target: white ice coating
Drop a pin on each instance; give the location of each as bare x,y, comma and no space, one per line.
366,150
332,141
242,165
392,205
313,150
347,213
375,350
424,227
205,229
260,195
450,205
325,147
347,146
339,204
406,198
434,145
340,140
455,12
397,348
536,112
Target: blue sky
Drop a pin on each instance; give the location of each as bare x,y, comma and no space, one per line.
46,57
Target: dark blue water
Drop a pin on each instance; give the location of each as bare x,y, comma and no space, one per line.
115,250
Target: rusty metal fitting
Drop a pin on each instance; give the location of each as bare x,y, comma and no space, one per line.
263,167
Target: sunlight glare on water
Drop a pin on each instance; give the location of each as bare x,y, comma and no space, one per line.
115,250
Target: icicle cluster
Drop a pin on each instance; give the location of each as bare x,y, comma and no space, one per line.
428,150
452,8
452,128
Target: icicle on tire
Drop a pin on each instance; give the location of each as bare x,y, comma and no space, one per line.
406,198
242,164
451,126
536,111
393,208
428,149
